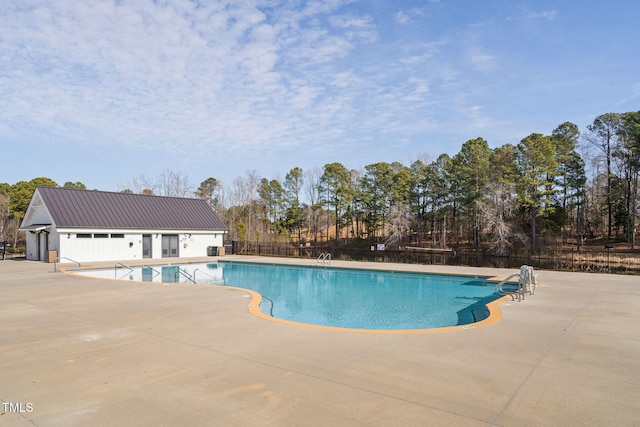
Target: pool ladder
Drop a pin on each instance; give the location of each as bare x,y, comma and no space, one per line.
324,258
526,282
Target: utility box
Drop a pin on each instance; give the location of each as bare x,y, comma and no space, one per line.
50,256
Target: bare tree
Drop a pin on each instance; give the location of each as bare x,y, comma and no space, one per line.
175,184
4,215
311,185
603,134
313,211
223,200
399,222
243,206
12,231
142,185
497,223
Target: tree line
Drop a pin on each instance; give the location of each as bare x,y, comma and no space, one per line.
569,186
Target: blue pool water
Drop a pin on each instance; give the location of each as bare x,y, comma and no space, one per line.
347,298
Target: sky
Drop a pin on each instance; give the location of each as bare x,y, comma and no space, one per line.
106,92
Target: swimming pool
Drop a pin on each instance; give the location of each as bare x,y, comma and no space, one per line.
337,297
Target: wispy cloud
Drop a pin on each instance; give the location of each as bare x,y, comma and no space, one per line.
548,15
481,59
408,16
251,79
162,74
526,14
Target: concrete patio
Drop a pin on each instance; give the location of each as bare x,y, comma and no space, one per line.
76,351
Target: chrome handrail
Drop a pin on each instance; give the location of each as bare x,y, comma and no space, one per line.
115,267
203,272
324,258
152,269
184,273
55,263
519,290
526,282
120,265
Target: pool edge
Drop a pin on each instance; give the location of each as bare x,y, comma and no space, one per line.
495,314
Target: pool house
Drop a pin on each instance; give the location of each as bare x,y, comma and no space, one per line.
83,226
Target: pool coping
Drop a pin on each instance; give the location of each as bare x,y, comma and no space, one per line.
493,307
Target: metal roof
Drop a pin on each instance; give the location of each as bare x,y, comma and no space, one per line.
100,209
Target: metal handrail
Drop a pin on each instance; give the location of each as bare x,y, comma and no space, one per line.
532,280
519,291
55,263
184,273
499,285
324,258
271,301
203,272
526,281
115,267
152,269
120,265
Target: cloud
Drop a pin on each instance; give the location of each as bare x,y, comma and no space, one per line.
158,76
549,15
147,74
409,16
481,59
255,79
359,27
422,52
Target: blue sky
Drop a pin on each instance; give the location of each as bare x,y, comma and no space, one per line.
105,92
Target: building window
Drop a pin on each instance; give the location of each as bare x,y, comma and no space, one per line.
84,235
117,236
101,236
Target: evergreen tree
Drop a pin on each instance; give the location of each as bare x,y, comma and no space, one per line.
570,168
535,156
473,170
335,191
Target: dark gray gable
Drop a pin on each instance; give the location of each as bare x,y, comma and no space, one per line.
100,209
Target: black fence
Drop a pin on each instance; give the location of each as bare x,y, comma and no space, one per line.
597,261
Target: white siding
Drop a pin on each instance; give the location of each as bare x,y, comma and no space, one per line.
94,249
98,249
32,246
194,245
38,243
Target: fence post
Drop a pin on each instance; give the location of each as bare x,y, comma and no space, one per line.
572,265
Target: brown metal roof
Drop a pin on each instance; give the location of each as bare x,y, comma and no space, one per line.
100,209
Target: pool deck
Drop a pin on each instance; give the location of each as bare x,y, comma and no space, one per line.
77,351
